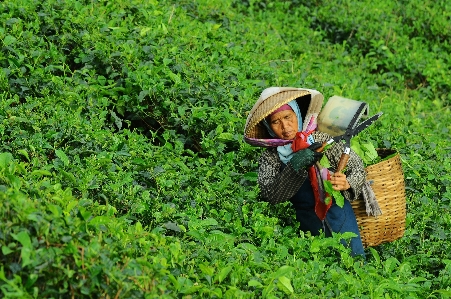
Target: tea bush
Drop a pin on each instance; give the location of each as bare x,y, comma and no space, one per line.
123,172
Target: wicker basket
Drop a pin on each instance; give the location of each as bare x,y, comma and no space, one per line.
388,186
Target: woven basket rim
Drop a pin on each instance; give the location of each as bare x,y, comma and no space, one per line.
385,153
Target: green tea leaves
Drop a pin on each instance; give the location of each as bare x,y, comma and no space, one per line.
6,250
60,154
5,159
24,238
254,283
365,150
9,40
284,284
336,195
224,273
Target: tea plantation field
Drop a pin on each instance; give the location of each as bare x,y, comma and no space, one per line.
123,171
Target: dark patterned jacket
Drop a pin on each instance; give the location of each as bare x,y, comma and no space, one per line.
278,185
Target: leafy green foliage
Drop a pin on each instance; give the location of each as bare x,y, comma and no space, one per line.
333,194
365,150
122,167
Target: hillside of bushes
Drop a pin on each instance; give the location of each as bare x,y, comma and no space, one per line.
123,171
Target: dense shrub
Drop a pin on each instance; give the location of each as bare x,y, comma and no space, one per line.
122,167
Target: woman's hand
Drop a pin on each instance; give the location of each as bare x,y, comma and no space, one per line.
339,181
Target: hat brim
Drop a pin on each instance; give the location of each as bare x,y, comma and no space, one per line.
255,133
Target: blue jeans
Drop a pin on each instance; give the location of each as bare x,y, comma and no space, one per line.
341,220
338,220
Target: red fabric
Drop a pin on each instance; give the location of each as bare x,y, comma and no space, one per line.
299,143
320,207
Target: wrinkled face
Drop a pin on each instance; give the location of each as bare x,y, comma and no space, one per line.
284,124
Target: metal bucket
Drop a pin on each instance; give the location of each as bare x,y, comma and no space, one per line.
337,114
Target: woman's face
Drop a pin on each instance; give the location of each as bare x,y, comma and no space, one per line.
284,124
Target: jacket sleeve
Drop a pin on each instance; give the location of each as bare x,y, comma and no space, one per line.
354,171
277,184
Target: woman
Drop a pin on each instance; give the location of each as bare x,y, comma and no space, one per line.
284,174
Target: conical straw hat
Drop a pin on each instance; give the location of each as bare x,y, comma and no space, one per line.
255,133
